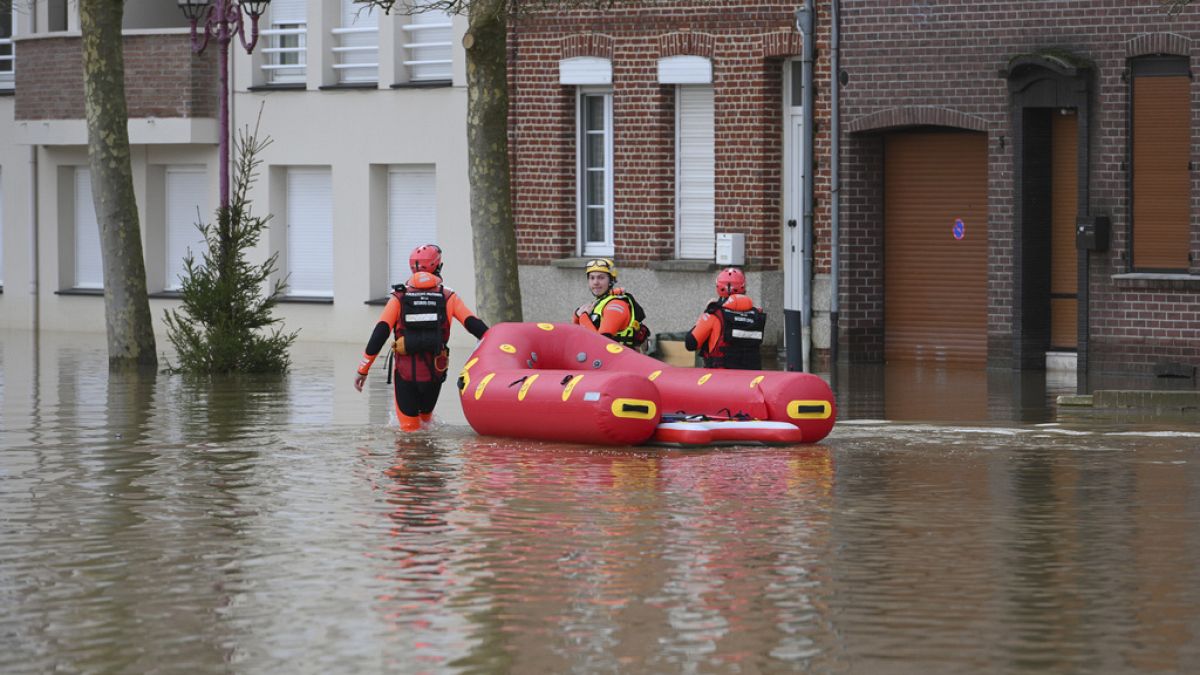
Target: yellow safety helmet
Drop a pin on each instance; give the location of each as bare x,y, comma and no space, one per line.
601,265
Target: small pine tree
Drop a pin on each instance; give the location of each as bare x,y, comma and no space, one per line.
223,324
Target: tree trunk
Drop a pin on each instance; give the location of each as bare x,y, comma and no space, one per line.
126,305
496,281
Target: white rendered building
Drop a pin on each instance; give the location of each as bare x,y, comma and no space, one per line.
366,115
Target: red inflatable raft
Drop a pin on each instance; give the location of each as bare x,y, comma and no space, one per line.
561,382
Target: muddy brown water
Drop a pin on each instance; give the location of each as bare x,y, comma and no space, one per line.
948,524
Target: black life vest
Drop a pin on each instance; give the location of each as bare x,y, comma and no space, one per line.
740,345
425,327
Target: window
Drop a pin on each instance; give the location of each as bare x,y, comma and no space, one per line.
7,56
412,215
595,185
310,232
1,234
89,265
1161,152
186,205
57,15
427,40
356,50
286,42
694,160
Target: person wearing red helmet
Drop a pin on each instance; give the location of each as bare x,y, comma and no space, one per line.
729,333
613,312
418,316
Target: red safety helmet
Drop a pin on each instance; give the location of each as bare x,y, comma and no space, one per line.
426,258
730,281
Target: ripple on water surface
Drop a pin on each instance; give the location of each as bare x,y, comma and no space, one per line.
280,525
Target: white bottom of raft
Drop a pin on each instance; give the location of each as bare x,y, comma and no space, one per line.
561,382
687,434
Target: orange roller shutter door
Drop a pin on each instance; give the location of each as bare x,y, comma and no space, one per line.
935,247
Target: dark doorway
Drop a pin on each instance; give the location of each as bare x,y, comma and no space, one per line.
1049,104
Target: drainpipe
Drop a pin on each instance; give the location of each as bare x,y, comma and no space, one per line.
836,181
799,323
34,271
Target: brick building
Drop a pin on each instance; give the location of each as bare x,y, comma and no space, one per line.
976,139
644,133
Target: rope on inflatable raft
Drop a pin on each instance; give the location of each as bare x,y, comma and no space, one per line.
561,382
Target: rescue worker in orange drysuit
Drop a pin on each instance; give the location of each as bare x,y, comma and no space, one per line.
613,312
729,333
418,316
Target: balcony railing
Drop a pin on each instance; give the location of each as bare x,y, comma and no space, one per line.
356,58
428,49
286,54
8,63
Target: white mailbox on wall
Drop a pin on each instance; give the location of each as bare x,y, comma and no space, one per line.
731,248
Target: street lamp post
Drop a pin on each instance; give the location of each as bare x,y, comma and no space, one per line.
220,20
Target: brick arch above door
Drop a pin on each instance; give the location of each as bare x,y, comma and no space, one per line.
915,116
1158,43
781,44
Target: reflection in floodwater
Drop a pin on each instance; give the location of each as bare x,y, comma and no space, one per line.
280,525
907,391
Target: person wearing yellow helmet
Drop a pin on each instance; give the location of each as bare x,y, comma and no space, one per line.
613,312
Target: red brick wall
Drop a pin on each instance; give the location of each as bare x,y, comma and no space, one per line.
861,262
944,58
163,78
747,43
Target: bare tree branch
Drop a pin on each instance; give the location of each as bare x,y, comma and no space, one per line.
1175,6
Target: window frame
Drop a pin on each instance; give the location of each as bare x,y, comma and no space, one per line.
346,38
278,30
415,44
2,228
679,159
1161,65
398,253
606,246
78,227
8,51
290,225
172,281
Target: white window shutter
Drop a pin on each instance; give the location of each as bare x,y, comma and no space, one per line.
595,173
585,70
310,232
287,38
429,43
358,44
187,204
412,215
1,233
288,11
695,169
684,70
89,266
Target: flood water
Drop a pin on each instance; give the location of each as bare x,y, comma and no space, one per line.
948,525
